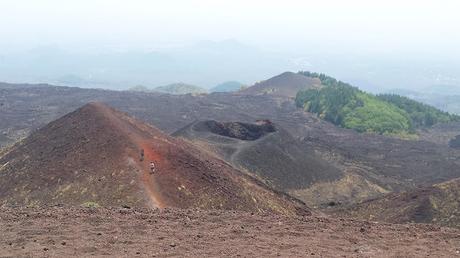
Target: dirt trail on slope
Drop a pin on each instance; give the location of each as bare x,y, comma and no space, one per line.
148,179
145,155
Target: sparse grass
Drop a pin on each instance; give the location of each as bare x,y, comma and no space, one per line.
404,136
4,150
90,205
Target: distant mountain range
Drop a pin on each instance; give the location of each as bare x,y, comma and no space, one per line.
208,63
229,86
173,89
205,64
184,88
180,88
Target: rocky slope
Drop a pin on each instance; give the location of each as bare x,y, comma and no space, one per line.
100,156
438,204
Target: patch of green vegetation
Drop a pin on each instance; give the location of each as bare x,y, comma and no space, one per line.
347,106
376,116
410,136
421,114
90,204
389,114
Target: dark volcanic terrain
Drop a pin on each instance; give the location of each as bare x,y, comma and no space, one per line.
361,158
262,149
437,204
455,143
99,156
369,166
383,163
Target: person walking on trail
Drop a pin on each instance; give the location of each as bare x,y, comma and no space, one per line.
152,167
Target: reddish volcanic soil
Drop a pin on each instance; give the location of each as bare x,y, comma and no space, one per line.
141,141
98,156
64,232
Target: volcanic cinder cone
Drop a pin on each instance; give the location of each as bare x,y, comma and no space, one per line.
97,155
284,85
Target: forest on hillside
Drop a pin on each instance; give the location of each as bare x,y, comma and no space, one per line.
349,107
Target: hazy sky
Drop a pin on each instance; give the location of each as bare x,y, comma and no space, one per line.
333,26
375,45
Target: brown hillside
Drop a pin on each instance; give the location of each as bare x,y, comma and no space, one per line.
437,204
284,85
98,155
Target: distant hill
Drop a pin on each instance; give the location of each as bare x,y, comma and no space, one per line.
140,88
347,106
229,86
100,156
284,85
436,204
180,89
4,85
